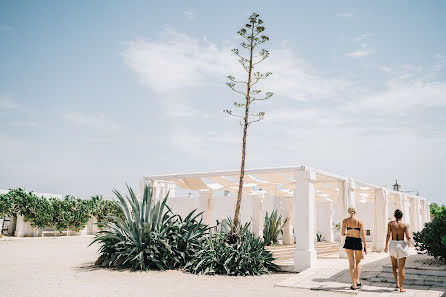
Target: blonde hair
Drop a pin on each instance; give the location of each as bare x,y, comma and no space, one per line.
351,210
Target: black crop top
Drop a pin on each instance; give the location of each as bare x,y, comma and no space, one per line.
350,228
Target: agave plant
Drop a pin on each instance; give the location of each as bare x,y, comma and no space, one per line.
227,226
218,255
273,227
319,237
150,236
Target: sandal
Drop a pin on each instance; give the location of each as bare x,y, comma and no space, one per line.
359,285
351,288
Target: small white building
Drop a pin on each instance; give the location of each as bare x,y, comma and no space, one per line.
315,201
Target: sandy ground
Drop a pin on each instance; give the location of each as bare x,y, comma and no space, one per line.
64,267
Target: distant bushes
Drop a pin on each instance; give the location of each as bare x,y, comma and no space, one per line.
69,213
432,239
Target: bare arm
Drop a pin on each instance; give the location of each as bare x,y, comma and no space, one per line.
363,237
387,237
407,233
343,228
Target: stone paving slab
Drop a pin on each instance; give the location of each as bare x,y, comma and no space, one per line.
332,275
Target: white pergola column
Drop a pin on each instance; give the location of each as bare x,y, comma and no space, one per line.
342,208
423,213
206,205
287,212
418,218
406,210
327,229
399,202
304,195
155,187
257,214
381,220
142,184
171,189
428,209
347,199
350,189
413,220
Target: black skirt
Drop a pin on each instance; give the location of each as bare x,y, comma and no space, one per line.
353,243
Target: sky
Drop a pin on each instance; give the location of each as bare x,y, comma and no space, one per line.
97,94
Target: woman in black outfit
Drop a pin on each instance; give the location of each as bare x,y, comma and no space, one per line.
354,230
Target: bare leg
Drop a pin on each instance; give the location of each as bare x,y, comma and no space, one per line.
402,272
351,266
358,256
395,270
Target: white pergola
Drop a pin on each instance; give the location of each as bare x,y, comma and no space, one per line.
303,186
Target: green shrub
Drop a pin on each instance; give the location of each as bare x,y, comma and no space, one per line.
102,209
150,236
432,239
273,226
69,213
437,210
217,255
5,205
36,210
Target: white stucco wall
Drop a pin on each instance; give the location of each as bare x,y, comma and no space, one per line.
322,222
366,215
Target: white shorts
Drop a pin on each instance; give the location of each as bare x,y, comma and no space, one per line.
398,249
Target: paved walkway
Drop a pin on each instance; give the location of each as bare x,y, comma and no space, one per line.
331,275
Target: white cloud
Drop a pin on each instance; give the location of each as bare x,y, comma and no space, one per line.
385,69
225,137
180,61
344,14
293,78
7,104
440,62
362,37
360,53
176,62
24,124
189,15
178,110
364,50
99,122
401,96
99,140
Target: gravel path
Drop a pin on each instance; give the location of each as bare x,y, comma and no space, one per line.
62,266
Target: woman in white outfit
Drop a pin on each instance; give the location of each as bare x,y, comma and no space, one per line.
399,249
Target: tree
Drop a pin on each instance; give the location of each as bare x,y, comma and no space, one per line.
252,33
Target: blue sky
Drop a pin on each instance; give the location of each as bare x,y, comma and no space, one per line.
94,94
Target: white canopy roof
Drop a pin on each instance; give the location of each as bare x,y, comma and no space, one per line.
277,181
